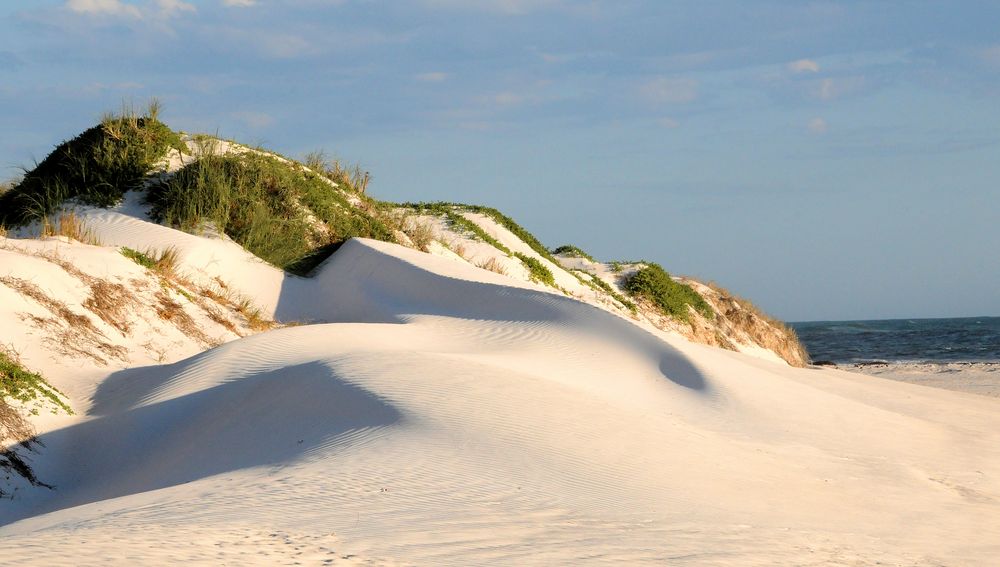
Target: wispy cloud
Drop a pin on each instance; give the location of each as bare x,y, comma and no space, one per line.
117,8
104,7
432,77
832,88
817,126
170,8
508,7
668,123
991,56
239,3
668,90
256,120
804,66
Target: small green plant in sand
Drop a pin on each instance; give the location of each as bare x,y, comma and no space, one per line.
24,385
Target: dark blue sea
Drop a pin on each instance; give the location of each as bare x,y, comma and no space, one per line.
968,339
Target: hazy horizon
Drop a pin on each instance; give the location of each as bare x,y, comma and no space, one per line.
828,160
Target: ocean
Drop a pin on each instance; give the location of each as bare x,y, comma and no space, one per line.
967,339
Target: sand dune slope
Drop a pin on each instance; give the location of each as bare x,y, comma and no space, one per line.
442,416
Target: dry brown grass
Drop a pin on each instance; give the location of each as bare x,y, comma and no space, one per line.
173,312
255,320
14,428
111,302
421,234
763,329
493,265
165,262
458,249
70,226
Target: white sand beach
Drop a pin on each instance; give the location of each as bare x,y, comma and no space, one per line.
974,377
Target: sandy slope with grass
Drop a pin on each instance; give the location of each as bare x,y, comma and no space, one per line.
437,413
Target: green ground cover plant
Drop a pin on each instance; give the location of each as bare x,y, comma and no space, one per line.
599,284
96,168
451,212
652,283
24,385
539,273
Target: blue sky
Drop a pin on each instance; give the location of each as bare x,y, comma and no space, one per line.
829,160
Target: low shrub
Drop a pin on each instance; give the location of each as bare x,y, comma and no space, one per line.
570,250
654,284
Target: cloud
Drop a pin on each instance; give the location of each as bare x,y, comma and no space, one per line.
254,119
664,90
508,98
991,56
239,3
817,126
804,66
159,9
432,77
668,122
830,88
170,8
508,7
108,7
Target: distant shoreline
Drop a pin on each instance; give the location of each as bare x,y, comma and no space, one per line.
981,378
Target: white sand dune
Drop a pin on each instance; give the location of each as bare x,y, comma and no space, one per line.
446,415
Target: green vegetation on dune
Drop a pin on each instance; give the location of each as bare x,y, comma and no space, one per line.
275,209
652,283
537,270
597,283
96,168
24,385
570,250
452,212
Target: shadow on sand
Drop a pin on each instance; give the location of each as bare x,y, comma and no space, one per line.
258,419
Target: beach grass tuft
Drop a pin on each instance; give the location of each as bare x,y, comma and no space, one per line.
95,168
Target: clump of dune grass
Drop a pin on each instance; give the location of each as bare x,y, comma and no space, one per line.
163,262
275,209
652,283
71,226
95,168
351,177
493,265
421,234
